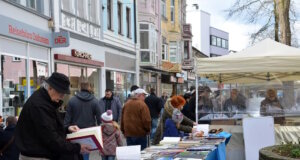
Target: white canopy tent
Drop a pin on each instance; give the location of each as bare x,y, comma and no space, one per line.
266,61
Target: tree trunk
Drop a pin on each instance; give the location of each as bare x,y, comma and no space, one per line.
276,27
283,8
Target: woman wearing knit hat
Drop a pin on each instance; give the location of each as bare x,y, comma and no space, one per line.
176,102
111,136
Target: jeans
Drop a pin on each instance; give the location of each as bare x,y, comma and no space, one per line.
154,123
108,157
85,156
131,141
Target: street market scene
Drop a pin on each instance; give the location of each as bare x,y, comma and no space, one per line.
149,80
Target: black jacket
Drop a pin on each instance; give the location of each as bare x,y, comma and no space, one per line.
154,104
83,110
40,131
11,152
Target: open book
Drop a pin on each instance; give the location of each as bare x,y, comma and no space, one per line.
91,136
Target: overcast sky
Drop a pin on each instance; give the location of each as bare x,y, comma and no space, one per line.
238,31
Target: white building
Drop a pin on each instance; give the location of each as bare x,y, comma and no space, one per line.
209,40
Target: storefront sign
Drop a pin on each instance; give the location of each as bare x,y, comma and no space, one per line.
61,39
171,67
79,54
173,79
188,64
191,76
28,33
180,80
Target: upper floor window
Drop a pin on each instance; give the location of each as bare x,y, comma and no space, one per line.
218,42
172,10
164,49
82,16
128,22
109,14
148,41
119,17
39,6
173,51
186,50
163,8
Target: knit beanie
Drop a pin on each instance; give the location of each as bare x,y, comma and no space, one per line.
107,116
177,116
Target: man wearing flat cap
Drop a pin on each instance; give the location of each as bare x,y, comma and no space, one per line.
40,133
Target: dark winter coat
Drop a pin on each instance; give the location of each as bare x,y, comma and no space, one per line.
185,126
116,107
83,110
205,107
11,152
111,139
154,104
40,131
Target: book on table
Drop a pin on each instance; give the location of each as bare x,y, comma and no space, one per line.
90,136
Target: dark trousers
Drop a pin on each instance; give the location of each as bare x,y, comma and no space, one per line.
131,141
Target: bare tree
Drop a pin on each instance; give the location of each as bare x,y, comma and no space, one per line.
266,13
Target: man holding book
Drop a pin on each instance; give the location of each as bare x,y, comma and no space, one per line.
40,133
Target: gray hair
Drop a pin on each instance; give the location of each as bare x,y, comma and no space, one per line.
45,85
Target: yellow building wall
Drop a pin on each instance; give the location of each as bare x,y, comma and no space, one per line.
171,30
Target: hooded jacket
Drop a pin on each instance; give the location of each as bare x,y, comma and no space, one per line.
185,126
40,131
83,110
116,107
111,139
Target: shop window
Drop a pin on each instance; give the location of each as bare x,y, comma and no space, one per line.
38,73
120,83
78,74
14,86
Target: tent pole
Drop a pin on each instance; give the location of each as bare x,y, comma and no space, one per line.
196,108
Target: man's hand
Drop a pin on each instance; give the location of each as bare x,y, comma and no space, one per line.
84,149
73,128
195,124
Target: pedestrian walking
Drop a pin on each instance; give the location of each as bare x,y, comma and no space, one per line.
136,120
110,102
83,110
111,136
155,105
40,133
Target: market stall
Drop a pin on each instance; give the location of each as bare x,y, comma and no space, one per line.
254,74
